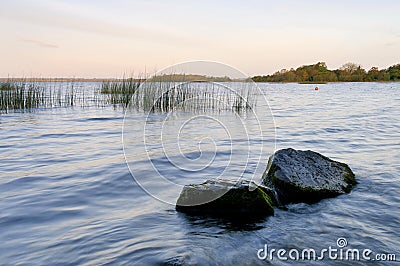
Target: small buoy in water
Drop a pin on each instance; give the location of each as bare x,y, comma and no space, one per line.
316,88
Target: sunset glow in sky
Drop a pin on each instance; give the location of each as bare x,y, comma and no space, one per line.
64,38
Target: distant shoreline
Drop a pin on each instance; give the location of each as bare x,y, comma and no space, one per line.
62,79
306,74
88,80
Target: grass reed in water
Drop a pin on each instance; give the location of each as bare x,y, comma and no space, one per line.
120,92
157,94
165,95
27,96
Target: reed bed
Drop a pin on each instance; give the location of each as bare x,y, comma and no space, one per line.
153,95
165,96
28,96
120,92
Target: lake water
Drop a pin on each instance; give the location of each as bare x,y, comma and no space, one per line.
67,195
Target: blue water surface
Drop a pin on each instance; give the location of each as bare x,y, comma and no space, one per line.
67,196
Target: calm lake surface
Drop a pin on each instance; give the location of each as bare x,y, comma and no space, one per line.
67,195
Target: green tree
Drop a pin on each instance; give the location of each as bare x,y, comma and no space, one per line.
373,74
319,72
394,72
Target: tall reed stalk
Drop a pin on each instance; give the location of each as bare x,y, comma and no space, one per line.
157,94
27,96
164,95
120,91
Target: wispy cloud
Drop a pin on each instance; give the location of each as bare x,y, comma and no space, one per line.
58,17
40,43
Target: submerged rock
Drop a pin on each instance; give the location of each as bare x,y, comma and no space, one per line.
291,176
226,198
307,176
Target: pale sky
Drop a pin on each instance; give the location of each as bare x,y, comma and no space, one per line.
65,38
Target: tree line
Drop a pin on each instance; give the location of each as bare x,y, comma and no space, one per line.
319,72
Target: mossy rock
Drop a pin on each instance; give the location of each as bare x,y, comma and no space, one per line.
241,199
307,176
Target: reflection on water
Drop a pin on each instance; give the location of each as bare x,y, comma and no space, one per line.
67,196
201,223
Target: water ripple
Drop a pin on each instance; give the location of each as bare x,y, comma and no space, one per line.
67,196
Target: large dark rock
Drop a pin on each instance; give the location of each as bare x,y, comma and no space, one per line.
226,198
307,176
